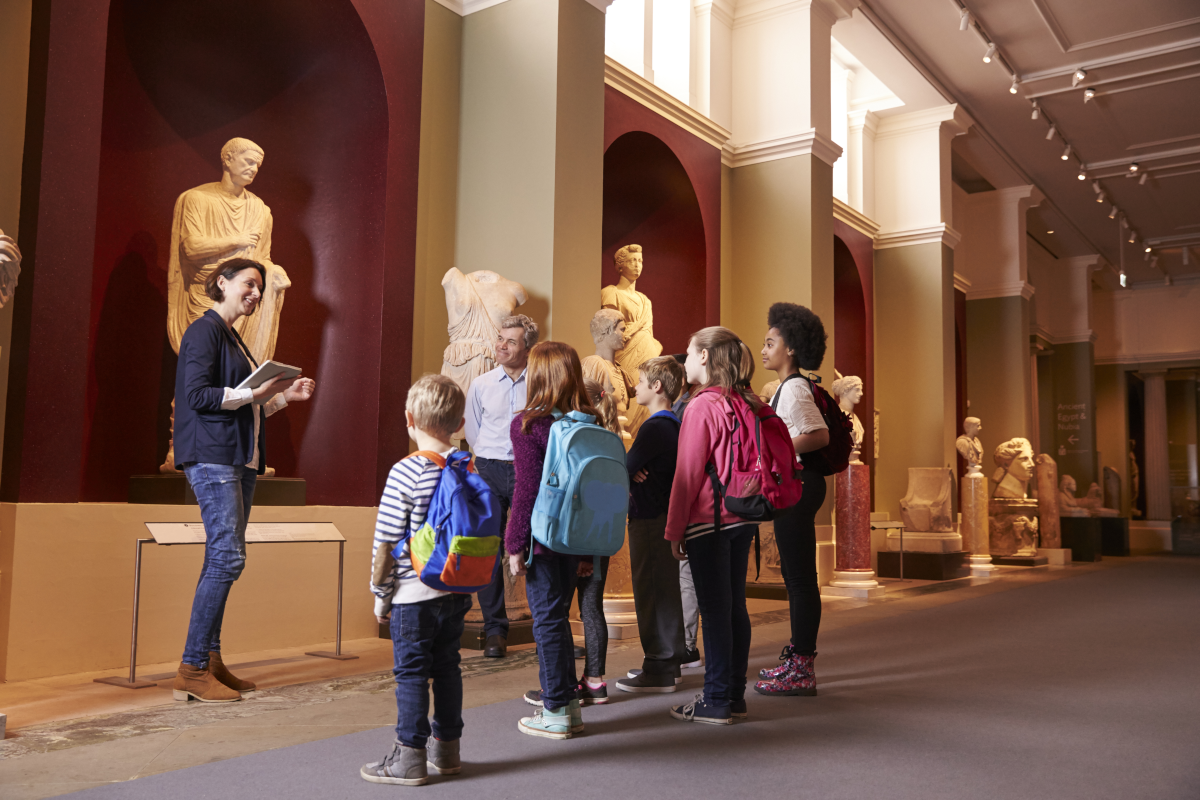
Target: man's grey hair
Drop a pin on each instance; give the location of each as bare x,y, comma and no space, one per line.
237,145
522,321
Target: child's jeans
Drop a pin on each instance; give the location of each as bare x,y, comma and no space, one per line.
425,638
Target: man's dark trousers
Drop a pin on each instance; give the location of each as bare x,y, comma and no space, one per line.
500,477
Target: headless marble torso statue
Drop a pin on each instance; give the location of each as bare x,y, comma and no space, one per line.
212,224
476,304
635,308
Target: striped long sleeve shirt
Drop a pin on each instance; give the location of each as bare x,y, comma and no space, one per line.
402,510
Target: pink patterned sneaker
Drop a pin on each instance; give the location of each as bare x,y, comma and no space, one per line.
771,673
799,680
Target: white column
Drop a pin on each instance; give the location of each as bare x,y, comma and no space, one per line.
1156,478
712,60
993,254
860,161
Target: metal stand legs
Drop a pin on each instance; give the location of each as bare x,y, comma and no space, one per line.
132,682
337,646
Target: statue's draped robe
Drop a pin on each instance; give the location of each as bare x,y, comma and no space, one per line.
640,344
473,337
208,212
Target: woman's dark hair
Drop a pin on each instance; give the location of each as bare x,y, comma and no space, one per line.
227,270
802,331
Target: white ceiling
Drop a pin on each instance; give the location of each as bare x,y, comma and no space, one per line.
1143,60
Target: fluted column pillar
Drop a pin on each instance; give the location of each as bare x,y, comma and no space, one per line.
1156,480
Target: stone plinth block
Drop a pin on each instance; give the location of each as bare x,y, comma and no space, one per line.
1082,535
1012,527
1056,557
1049,531
1114,533
974,527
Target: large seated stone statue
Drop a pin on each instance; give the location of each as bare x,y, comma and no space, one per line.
212,224
476,303
926,507
1090,505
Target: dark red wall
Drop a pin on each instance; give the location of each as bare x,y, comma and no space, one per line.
854,324
332,93
662,190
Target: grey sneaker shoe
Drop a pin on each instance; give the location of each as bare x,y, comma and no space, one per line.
443,756
404,766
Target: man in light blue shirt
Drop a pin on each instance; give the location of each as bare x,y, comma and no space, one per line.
493,399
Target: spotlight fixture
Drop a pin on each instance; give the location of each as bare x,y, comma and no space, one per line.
991,51
1112,214
1079,75
1100,198
1050,133
1096,187
1066,153
1122,279
1013,89
1148,249
1185,256
964,21
1146,257
1037,112
1133,167
1142,180
1050,232
1132,236
1088,94
1082,174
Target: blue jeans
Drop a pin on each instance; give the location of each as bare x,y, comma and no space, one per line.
425,640
549,584
718,562
500,478
225,495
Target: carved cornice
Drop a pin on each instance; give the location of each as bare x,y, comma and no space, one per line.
720,10
962,283
466,7
933,234
855,219
808,143
634,86
949,119
1022,289
752,12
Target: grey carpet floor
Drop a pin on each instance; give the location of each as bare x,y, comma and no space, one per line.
1077,688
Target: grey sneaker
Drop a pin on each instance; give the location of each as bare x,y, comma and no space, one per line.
404,766
443,756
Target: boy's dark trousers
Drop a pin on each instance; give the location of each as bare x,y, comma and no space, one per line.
656,595
500,477
425,640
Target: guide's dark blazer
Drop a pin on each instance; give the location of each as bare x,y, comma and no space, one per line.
209,360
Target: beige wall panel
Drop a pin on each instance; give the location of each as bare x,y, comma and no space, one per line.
998,370
1112,426
70,572
437,184
726,246
914,365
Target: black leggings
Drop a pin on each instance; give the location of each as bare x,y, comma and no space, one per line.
796,537
591,612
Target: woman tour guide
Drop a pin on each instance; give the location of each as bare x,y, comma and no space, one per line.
220,445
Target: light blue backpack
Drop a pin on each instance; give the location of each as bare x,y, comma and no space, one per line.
583,498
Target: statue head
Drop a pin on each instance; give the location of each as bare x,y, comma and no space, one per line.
848,391
971,427
1016,456
1066,485
608,329
10,268
629,262
241,158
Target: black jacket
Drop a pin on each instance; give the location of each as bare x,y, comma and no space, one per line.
210,359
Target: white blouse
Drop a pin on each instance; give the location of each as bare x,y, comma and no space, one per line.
236,398
794,404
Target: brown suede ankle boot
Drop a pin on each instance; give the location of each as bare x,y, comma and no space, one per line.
193,682
217,667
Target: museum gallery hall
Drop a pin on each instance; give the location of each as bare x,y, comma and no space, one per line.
599,398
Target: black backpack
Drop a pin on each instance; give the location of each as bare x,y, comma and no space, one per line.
835,456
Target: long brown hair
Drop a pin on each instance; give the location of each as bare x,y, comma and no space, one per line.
730,363
555,380
605,405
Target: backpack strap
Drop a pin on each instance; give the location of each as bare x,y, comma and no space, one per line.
779,391
436,458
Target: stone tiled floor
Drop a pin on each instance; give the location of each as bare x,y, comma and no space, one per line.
68,733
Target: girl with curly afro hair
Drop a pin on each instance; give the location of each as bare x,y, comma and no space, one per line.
795,341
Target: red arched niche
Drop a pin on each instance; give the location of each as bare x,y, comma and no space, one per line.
701,164
854,332
180,80
648,200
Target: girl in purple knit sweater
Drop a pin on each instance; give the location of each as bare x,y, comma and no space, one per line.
555,381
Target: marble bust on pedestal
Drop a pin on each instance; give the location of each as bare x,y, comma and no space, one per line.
1013,524
635,308
213,223
1014,468
476,303
969,446
848,391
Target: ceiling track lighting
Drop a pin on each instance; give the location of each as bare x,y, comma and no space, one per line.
1132,236
1066,153
1082,174
991,51
1088,94
1142,180
1078,76
1112,214
1096,187
1037,112
1146,257
1101,198
1148,248
1123,279
964,21
1050,133
1013,89
1133,167
1185,256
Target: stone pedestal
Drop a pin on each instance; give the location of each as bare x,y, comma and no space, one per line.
1114,534
926,541
1049,531
974,526
852,575
619,610
1056,557
1012,526
1082,535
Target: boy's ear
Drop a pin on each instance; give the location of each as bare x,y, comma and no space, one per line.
657,387
409,420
